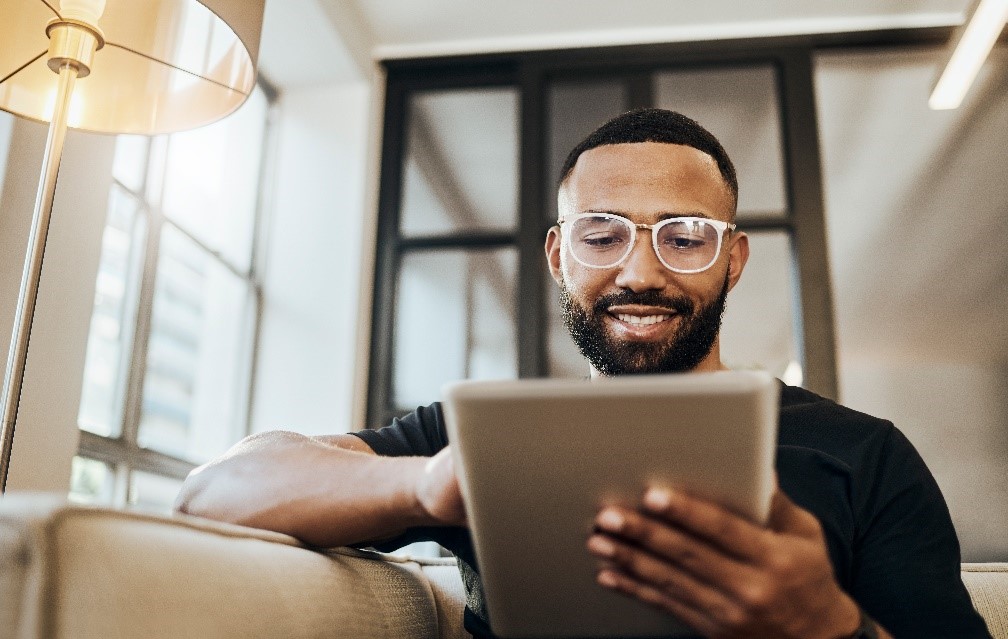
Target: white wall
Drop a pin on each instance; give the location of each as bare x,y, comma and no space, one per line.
955,415
46,435
921,297
306,367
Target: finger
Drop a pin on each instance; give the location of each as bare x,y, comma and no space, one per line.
693,617
707,520
667,544
668,574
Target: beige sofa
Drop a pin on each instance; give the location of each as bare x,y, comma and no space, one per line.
74,572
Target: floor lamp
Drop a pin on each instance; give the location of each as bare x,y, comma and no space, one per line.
146,67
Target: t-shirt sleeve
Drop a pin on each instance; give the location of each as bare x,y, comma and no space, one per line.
421,433
907,558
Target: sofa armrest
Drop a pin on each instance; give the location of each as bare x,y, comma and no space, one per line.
988,588
73,571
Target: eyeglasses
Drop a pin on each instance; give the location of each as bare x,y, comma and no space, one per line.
683,244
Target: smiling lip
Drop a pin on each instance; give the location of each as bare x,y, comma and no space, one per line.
640,316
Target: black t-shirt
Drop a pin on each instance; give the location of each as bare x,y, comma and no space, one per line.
887,527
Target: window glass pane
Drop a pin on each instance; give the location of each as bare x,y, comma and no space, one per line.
740,107
461,167
110,337
152,493
212,177
575,110
758,329
91,481
196,381
129,164
455,319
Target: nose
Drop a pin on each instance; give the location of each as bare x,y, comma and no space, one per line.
642,270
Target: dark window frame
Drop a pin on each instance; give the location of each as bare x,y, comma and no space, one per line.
531,73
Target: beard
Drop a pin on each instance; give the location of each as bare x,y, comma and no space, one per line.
690,344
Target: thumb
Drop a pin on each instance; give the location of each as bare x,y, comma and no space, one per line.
440,493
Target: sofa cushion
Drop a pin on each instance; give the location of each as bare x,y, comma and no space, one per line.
70,571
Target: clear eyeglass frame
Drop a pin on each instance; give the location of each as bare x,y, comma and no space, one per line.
718,225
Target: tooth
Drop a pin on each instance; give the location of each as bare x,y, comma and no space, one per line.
637,320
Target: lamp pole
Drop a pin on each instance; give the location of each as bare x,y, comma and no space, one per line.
72,46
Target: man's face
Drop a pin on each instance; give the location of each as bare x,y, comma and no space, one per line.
639,316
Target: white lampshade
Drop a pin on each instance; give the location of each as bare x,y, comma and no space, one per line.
167,65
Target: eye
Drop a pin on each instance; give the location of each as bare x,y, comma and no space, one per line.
600,233
602,240
685,236
683,241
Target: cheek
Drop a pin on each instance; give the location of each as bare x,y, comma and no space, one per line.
584,284
707,287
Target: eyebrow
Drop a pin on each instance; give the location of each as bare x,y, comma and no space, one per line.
661,216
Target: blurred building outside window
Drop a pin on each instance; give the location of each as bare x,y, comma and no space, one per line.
169,356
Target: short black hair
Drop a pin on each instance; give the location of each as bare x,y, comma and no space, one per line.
655,125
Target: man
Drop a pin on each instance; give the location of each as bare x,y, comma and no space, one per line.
859,542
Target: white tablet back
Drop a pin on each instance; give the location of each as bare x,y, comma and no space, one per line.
537,458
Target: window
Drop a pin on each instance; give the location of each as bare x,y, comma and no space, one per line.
472,151
170,351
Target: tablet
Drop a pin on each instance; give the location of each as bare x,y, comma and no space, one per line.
537,458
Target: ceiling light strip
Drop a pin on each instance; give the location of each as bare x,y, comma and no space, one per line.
976,39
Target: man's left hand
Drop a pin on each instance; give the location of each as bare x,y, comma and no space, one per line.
722,574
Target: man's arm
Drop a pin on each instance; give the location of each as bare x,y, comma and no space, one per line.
326,491
723,575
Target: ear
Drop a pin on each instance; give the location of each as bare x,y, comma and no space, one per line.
554,241
738,255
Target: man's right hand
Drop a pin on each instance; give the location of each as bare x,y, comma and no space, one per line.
438,492
326,491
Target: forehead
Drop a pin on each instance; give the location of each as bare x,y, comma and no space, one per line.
644,180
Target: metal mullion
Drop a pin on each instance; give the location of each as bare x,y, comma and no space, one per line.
141,334
136,195
157,463
109,450
115,452
623,58
239,273
259,226
640,90
387,258
456,240
470,325
764,223
128,313
817,335
410,77
133,404
532,224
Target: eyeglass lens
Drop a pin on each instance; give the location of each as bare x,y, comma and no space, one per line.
600,241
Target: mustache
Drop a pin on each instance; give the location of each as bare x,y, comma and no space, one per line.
680,303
